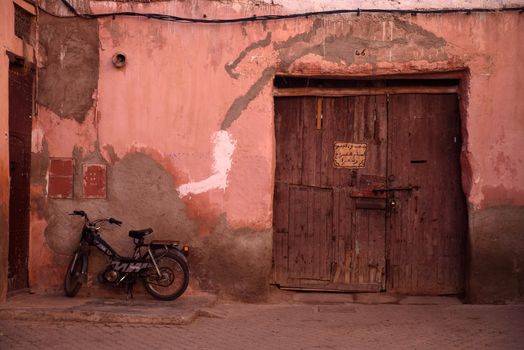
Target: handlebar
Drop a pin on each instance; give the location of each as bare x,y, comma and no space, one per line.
83,214
79,213
114,221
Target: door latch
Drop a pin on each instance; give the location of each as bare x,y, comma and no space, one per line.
392,189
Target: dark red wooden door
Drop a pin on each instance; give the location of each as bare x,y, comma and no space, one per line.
329,224
427,228
20,111
364,178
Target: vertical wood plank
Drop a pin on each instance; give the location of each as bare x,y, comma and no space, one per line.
280,230
328,133
298,227
311,144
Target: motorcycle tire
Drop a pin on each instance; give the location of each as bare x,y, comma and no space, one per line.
174,277
73,275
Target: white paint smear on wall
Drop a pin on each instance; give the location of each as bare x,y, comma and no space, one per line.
222,154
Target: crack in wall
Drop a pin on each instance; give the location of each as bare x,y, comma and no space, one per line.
241,102
230,67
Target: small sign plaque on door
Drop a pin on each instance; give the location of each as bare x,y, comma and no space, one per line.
350,155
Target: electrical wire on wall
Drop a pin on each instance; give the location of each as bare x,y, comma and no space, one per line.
358,12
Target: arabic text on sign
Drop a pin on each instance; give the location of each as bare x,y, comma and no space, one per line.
350,155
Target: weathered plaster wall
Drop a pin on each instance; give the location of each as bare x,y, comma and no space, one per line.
186,127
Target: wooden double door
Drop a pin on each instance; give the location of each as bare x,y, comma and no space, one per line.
368,194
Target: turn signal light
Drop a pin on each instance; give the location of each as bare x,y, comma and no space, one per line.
186,249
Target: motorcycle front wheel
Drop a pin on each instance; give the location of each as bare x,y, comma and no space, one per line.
173,279
73,276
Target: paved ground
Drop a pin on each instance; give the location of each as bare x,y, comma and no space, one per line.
301,323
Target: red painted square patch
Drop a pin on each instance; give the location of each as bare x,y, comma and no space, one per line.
61,172
94,181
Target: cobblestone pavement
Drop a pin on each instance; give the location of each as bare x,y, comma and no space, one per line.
292,326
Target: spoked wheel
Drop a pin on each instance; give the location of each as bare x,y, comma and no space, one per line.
73,276
173,279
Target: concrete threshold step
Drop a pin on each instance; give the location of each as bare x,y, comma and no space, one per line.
371,299
342,298
135,311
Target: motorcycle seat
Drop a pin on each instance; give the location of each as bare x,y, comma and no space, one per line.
140,233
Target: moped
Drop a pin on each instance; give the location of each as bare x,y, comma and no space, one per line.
161,265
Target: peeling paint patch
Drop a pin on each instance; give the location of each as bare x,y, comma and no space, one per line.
302,37
340,48
37,137
223,151
69,54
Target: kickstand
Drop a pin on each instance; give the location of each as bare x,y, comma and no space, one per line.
130,291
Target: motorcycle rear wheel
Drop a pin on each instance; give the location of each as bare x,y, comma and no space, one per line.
73,276
174,277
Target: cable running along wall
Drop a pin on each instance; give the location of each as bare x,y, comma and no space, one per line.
171,18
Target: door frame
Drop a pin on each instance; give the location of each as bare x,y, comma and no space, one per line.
425,83
29,68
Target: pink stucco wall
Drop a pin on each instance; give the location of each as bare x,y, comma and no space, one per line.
175,92
171,99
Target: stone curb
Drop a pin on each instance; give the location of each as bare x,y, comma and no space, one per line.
153,314
95,316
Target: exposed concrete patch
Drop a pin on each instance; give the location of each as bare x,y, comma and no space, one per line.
399,43
68,76
497,259
140,193
230,67
302,37
241,102
235,263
